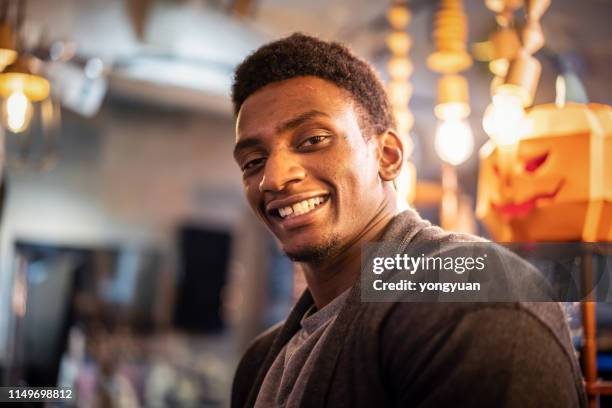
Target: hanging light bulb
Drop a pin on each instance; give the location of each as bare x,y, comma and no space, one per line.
454,141
19,87
453,98
16,112
504,119
22,75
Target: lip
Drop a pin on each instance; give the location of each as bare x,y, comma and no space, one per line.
292,199
298,220
517,210
303,219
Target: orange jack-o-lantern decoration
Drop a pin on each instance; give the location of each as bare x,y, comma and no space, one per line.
555,184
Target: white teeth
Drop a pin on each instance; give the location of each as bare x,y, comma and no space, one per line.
301,207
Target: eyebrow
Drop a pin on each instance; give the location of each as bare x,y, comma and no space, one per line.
298,120
283,127
245,144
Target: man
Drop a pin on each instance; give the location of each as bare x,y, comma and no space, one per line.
316,144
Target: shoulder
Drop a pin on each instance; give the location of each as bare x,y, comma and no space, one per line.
250,363
507,276
409,224
519,348
503,320
411,234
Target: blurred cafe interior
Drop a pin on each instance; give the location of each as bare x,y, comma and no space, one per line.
129,259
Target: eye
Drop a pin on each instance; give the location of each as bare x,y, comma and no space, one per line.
533,164
313,140
252,164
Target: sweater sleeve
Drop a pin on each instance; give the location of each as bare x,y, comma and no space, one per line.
485,357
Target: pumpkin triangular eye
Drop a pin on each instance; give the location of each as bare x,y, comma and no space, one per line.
532,165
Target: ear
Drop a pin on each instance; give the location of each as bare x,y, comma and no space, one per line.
390,154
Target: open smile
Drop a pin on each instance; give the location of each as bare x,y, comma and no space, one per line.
297,210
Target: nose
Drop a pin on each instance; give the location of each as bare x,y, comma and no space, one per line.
280,171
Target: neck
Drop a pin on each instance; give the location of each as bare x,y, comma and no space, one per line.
327,280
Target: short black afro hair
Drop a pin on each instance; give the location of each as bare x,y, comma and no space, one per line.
303,55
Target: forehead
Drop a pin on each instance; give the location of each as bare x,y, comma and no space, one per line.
273,104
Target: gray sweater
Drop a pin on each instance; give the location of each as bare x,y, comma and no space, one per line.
428,354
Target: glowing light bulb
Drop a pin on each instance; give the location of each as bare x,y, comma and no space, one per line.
454,141
17,112
504,119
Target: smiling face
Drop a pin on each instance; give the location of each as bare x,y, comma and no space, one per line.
309,174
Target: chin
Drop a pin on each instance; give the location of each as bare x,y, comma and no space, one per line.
312,252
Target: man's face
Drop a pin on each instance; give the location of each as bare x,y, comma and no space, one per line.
309,174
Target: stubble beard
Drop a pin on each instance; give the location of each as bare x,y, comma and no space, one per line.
317,254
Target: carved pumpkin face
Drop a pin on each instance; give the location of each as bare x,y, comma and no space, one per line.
556,183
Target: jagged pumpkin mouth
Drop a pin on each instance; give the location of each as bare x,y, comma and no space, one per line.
517,210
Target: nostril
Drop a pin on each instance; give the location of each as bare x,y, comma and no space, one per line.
533,164
496,169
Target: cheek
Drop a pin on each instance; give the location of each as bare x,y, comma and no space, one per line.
362,168
251,192
357,176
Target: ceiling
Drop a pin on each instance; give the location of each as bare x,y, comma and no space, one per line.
182,53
